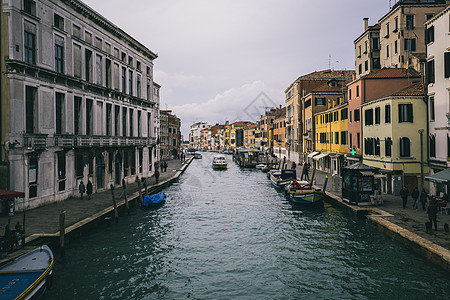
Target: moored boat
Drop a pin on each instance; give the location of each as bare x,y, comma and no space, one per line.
28,276
301,192
154,200
261,166
281,178
197,155
219,163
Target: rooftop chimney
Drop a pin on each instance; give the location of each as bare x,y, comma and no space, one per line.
366,24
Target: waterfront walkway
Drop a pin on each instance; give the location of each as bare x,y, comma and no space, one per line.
44,220
408,218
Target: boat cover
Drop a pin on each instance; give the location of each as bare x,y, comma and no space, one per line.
13,284
153,200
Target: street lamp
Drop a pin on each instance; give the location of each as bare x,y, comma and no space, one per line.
421,157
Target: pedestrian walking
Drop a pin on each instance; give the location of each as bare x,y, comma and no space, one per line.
156,175
165,166
81,189
89,189
404,194
162,167
432,212
294,165
415,198
305,172
423,198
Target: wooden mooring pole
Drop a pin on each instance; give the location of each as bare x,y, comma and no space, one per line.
62,233
140,190
116,213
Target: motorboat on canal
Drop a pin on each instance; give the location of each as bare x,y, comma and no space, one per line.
302,192
28,276
154,200
281,178
219,163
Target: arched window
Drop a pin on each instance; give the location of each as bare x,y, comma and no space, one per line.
405,147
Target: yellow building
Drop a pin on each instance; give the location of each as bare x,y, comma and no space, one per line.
249,135
331,127
392,138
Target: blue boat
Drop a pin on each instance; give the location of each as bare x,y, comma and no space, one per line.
154,200
28,276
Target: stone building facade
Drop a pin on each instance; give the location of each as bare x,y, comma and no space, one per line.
78,101
170,136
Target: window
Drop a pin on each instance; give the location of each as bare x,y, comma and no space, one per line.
359,51
130,82
107,48
368,117
350,116
344,114
124,80
99,114
138,86
116,78
108,119
108,73
360,69
395,47
130,60
377,147
344,137
410,44
387,51
432,114
99,43
320,101
58,21
32,177
138,65
349,94
365,47
76,61
30,47
77,115
430,71
124,121
405,113
358,140
88,65
76,31
61,171
30,109
387,113
432,146
89,119
149,90
29,6
387,29
350,139
376,64
148,71
366,66
447,65
375,43
139,125
336,116
357,91
429,35
88,37
388,147
405,147
124,57
116,120
369,144
356,115
98,70
377,115
409,21
59,54
428,17
60,113
131,122
396,24
336,138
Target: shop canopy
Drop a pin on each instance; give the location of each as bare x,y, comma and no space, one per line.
4,194
313,153
440,177
321,156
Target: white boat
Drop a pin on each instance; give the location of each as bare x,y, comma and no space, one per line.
219,163
261,166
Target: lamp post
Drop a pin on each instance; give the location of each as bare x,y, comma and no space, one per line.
421,157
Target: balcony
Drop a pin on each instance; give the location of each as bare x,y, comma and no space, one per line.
36,141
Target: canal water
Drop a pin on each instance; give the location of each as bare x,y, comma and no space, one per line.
230,235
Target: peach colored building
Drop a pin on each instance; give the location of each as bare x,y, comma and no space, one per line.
365,89
279,134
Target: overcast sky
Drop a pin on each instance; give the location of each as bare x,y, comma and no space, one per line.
228,59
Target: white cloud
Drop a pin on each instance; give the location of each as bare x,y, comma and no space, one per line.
244,103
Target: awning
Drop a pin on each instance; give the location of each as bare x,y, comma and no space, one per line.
4,194
321,156
313,153
440,177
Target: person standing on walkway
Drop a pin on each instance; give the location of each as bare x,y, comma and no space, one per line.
415,198
81,188
156,175
162,167
89,189
305,172
165,166
294,165
432,212
423,198
404,194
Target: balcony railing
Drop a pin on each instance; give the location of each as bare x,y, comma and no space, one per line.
36,141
